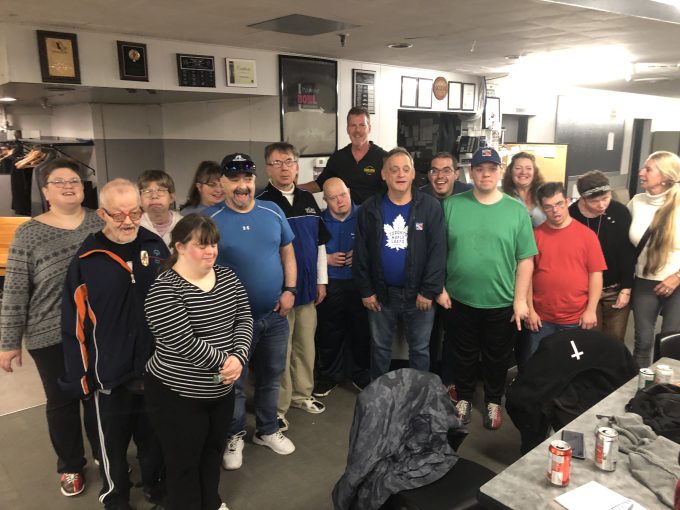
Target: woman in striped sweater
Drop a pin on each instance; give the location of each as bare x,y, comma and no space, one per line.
200,317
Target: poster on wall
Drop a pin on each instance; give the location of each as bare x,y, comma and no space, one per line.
241,73
424,93
455,95
409,92
492,113
132,61
58,53
363,89
309,104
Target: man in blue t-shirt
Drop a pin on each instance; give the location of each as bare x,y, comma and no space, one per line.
256,243
398,263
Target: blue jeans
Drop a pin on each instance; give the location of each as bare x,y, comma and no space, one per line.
383,325
533,338
268,351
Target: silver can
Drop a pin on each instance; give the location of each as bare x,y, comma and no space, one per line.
606,448
646,378
663,374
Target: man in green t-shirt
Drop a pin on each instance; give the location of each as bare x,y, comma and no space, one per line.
488,272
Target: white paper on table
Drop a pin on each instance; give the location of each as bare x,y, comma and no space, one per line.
595,496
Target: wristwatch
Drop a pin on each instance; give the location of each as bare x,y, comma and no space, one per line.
292,290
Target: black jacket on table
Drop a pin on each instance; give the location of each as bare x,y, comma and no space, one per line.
426,252
105,336
612,232
570,372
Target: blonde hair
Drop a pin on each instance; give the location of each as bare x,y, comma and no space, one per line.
116,187
662,227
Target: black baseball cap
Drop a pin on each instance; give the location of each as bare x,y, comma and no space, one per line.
237,163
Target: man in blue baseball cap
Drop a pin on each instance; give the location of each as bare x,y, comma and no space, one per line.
488,272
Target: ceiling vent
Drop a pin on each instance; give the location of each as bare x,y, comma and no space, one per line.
299,24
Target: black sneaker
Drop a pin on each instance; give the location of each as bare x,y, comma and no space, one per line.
360,385
323,388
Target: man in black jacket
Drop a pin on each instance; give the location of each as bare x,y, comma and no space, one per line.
399,260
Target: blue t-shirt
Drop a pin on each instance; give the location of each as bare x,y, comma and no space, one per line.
249,245
342,240
395,242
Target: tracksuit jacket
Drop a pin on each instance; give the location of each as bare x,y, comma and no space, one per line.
426,252
304,218
105,336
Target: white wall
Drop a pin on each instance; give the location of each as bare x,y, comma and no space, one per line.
99,61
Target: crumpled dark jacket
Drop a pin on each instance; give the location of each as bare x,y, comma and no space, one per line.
398,439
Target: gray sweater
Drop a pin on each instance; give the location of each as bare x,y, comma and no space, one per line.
36,269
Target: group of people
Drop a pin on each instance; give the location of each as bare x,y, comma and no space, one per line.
152,318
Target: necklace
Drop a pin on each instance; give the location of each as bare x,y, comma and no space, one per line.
599,224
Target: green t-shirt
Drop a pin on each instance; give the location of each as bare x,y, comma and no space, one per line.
485,243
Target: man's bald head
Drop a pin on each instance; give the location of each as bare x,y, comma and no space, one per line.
336,194
115,188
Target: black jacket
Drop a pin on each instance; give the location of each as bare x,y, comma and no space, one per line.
105,335
426,252
556,385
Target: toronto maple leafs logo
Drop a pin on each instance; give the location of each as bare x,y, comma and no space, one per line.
397,234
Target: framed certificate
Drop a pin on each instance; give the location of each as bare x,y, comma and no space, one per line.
424,93
468,100
455,95
132,61
409,92
241,73
58,57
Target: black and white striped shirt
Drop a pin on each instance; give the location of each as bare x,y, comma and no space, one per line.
195,331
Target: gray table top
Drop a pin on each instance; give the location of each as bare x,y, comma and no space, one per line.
523,485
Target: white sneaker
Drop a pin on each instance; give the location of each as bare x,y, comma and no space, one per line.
276,441
282,422
311,405
223,506
233,453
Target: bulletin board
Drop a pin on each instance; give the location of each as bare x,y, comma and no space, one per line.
551,159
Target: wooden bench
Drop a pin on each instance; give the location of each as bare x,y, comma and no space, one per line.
8,226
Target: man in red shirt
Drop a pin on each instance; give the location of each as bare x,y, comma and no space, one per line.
567,279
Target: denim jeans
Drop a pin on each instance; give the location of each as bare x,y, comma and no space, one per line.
533,338
383,325
268,354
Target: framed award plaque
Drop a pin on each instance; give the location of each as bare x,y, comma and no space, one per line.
195,70
363,89
58,57
132,61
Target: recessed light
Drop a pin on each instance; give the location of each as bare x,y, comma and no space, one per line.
7,99
400,46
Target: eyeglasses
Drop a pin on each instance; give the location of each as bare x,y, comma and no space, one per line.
559,205
61,183
212,184
277,163
119,217
161,192
447,170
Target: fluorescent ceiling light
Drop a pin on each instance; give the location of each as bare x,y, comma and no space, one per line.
7,99
591,65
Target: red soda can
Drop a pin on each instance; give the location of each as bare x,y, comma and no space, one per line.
559,463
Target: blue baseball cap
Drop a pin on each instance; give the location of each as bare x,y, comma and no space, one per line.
485,155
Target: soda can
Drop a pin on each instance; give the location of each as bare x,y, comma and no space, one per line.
663,374
646,378
559,463
606,448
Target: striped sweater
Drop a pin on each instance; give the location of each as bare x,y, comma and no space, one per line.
195,331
